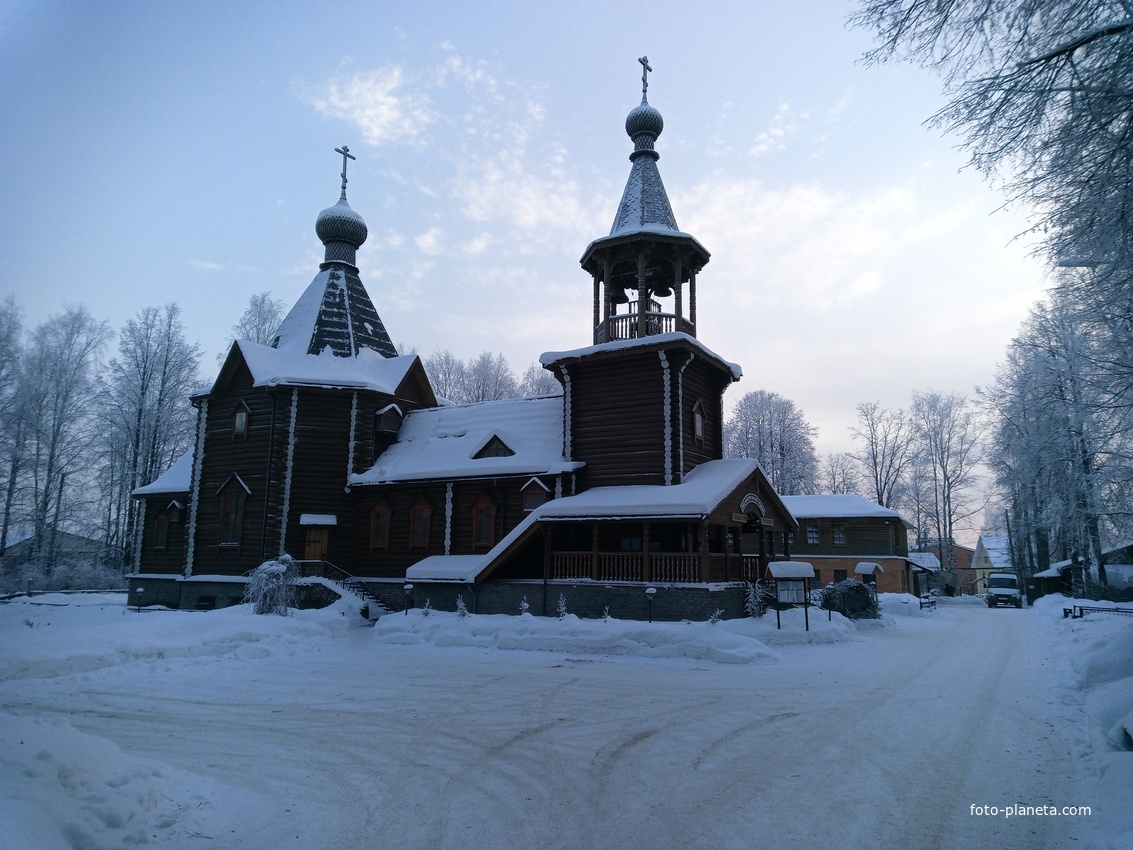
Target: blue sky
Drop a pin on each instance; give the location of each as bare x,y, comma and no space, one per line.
167,151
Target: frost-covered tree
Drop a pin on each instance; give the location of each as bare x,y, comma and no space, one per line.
13,414
446,374
771,429
487,378
258,323
538,381
1062,453
885,437
147,421
1042,93
62,361
271,587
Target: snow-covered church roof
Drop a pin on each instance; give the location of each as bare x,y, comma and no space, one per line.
549,358
443,442
176,479
368,370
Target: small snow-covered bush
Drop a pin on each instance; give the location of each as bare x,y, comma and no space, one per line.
271,587
852,599
562,607
461,608
717,615
523,606
759,598
427,608
606,614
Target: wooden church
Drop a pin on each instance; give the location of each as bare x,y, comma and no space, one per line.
329,447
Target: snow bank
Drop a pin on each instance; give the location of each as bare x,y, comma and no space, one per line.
80,791
703,641
1100,650
80,637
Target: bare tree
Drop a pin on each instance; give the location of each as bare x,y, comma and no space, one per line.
771,429
886,436
948,436
840,474
146,417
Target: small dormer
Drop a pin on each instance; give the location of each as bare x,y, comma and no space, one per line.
495,447
387,424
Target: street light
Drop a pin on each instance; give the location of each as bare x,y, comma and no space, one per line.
650,592
408,598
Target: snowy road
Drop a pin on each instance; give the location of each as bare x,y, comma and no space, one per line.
352,742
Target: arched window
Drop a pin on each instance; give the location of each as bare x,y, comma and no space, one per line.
484,523
240,417
232,495
379,526
420,518
698,422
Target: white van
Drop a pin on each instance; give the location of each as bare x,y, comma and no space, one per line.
1003,589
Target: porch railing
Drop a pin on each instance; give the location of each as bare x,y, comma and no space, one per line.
625,326
666,567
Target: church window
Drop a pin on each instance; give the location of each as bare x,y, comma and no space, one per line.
535,493
420,517
495,447
240,417
232,495
160,531
483,523
379,526
698,423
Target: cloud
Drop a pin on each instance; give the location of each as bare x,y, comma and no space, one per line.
206,265
783,125
379,102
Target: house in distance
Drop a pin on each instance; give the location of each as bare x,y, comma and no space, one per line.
330,447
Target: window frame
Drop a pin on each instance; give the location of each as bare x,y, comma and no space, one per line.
813,536
241,420
484,523
420,519
380,511
230,523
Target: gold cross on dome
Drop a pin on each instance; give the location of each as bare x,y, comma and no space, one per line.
645,69
346,154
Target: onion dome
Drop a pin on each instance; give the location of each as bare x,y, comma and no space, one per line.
643,125
342,231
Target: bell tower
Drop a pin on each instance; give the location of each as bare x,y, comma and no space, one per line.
641,270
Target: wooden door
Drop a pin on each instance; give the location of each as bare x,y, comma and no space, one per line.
315,547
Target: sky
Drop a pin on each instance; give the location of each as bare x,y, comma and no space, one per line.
171,151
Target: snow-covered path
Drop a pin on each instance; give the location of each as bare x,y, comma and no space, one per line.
347,739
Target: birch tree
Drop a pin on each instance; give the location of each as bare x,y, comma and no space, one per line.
13,414
146,417
886,437
62,362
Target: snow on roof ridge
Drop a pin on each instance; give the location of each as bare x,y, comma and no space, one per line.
548,358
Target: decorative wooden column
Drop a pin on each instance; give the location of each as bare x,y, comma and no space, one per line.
642,297
677,301
702,549
692,301
597,306
594,574
646,559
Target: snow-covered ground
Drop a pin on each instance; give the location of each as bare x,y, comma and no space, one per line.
227,730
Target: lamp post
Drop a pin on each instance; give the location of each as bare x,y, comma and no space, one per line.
650,592
408,598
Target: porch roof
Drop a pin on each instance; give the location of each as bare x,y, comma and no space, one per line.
702,491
